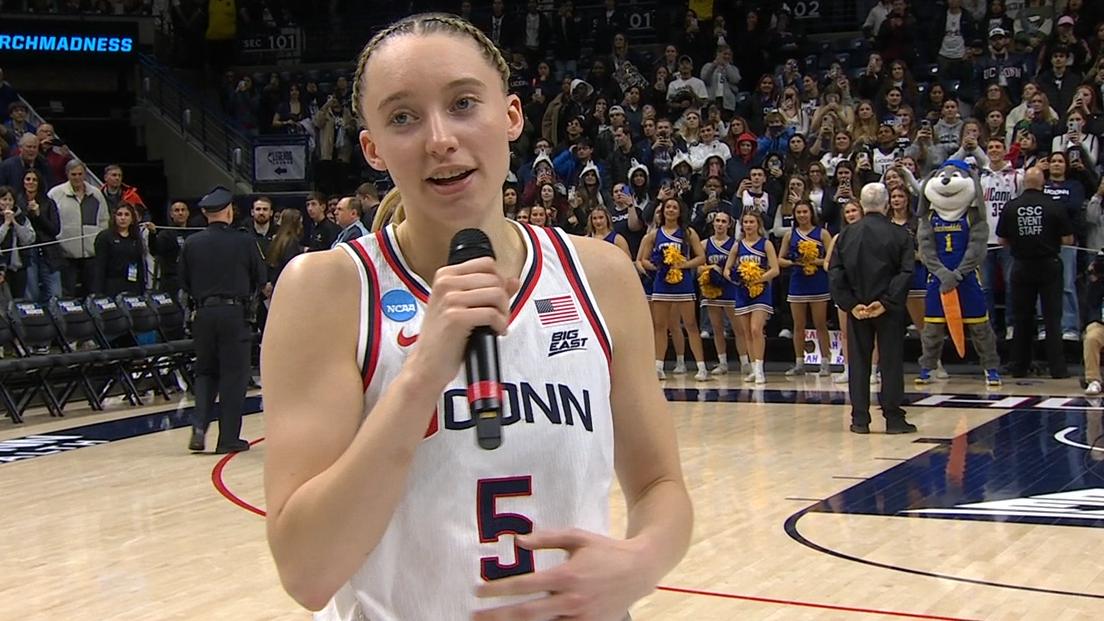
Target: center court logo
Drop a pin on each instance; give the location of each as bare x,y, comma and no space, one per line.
399,305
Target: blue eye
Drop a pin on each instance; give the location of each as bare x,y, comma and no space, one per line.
400,118
464,103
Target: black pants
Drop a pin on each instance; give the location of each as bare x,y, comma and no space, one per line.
77,277
222,343
1037,279
890,330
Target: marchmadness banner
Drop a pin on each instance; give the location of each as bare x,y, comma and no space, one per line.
83,40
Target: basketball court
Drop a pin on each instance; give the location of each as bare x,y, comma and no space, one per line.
992,511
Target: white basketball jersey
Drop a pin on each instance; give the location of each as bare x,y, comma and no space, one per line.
455,525
999,187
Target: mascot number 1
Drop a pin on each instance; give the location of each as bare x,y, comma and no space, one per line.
953,238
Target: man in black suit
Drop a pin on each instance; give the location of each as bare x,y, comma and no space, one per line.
498,26
870,272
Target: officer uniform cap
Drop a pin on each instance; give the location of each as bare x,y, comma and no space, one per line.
217,199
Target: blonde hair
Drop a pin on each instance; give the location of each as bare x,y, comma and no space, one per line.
390,209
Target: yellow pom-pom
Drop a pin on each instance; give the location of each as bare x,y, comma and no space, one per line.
708,289
751,273
809,255
672,256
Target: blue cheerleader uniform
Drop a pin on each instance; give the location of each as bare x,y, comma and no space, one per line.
807,288
611,237
718,255
755,253
951,238
663,291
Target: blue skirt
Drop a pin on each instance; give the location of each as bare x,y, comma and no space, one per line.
663,291
813,288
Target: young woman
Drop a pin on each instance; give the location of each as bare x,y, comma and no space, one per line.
599,227
509,201
382,398
120,261
852,211
44,263
717,249
15,232
753,293
538,215
286,245
901,214
674,301
808,283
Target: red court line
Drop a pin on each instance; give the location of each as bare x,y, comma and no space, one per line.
788,602
220,485
216,478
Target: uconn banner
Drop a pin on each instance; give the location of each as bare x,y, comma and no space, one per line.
58,39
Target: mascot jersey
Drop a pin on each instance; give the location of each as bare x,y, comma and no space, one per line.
951,238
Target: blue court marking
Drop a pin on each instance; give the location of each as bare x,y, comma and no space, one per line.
1036,466
93,434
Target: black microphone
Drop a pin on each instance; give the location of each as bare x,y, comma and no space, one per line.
481,357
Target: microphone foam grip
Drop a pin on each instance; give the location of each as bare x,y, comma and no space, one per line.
469,244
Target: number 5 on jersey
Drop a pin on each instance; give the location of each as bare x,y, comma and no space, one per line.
493,525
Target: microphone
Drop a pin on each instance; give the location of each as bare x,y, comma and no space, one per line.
481,356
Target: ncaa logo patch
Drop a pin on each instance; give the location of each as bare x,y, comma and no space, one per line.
399,305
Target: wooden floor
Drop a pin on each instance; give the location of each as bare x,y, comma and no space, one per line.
136,529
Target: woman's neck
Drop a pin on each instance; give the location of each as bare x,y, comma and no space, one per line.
122,232
601,232
805,228
751,238
425,244
720,237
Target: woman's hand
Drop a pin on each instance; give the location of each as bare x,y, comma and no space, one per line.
464,296
601,579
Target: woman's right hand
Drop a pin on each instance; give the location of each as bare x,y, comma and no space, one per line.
464,297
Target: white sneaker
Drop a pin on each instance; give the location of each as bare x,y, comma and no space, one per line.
940,372
795,370
1071,335
839,378
750,375
706,335
760,377
702,375
785,333
720,369
679,369
1008,333
1094,388
1042,335
661,374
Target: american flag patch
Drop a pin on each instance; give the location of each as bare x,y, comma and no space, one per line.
557,310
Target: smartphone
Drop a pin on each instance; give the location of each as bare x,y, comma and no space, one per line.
537,91
862,158
925,124
626,191
1074,154
1073,127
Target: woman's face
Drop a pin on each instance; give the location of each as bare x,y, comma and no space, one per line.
737,127
950,109
7,201
936,94
909,164
543,70
1037,104
662,73
600,107
522,215
721,224
790,95
749,224
123,218
294,92
509,197
843,174
766,85
1058,164
538,216
898,200
995,119
905,116
714,169
993,92
803,215
866,112
441,126
893,97
30,184
876,61
797,144
1076,117
598,220
842,142
590,178
797,186
639,179
671,211
670,53
816,174
892,179
1086,95
852,213
547,193
832,98
971,130
693,121
897,71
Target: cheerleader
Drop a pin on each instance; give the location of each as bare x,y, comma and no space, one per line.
803,250
598,227
752,266
717,249
852,211
673,251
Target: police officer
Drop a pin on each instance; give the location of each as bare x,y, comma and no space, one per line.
1034,226
221,271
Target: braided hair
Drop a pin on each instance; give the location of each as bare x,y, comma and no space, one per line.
391,208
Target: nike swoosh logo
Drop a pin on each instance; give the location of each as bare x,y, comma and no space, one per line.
406,341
